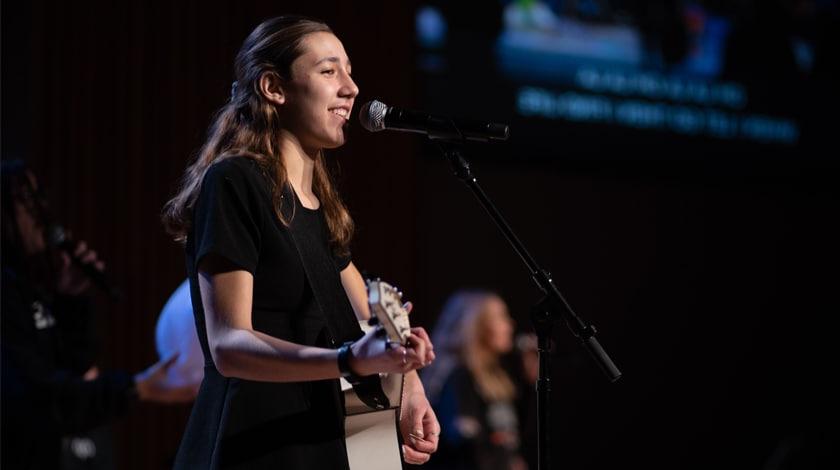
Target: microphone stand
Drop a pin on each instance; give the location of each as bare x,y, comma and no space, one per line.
545,313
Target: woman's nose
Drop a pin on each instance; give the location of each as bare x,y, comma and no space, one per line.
352,88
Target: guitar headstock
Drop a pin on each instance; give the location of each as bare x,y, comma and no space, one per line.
387,306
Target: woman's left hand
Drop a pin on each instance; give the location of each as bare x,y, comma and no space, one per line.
420,345
418,424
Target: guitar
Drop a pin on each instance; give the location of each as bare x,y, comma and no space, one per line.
372,408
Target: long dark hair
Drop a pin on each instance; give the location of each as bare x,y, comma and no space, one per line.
247,125
20,191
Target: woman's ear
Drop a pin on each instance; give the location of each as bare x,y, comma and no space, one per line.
271,88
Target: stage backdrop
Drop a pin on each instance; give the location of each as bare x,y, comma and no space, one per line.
709,269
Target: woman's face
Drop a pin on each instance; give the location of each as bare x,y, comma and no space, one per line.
498,326
319,96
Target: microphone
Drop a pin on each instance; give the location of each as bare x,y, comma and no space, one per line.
376,116
57,237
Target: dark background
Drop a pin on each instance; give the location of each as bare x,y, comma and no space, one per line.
712,279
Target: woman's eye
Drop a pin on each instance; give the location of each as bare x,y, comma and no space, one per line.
328,72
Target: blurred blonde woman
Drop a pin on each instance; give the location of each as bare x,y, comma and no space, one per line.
472,393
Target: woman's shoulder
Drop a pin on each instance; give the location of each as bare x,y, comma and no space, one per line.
244,173
238,177
461,373
236,167
457,376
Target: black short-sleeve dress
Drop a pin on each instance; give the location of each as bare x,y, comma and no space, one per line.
298,297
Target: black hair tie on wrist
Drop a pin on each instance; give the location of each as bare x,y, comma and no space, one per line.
368,389
344,355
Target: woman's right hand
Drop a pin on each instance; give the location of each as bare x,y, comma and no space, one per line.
155,384
373,353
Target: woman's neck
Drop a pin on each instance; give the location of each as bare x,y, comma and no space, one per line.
300,167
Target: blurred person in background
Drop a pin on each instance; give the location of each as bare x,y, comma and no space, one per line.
175,334
51,386
472,393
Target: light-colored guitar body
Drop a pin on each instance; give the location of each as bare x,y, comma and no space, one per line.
371,434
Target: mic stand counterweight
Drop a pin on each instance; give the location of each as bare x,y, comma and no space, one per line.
552,307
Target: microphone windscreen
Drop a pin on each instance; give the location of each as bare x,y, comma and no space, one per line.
372,115
56,236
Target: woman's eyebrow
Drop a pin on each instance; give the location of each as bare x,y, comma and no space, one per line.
332,59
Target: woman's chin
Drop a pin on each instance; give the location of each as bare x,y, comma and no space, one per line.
336,142
331,138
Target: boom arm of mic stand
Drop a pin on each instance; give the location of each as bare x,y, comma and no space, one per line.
554,303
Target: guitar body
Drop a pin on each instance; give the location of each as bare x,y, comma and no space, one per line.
371,434
371,440
372,408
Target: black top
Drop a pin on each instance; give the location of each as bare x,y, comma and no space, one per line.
238,423
475,433
47,345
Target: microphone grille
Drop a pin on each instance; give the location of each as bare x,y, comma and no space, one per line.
372,115
56,235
